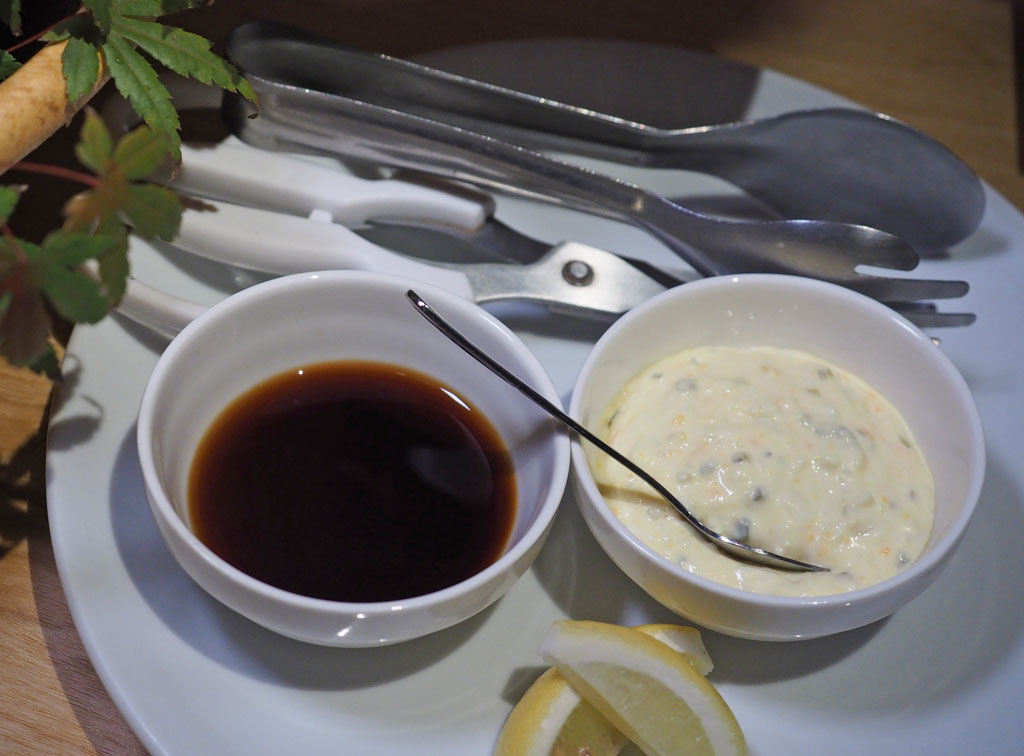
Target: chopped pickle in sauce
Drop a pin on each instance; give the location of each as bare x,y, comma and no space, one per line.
772,446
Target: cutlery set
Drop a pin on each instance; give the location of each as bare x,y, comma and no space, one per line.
850,188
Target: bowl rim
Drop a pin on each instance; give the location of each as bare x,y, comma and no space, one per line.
164,510
937,552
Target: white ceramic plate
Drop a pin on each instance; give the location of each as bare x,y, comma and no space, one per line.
944,675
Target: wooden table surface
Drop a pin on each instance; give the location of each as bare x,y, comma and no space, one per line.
945,66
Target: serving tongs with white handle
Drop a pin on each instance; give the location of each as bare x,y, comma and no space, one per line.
838,164
296,117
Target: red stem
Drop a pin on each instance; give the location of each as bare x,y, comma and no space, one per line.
37,35
13,241
56,170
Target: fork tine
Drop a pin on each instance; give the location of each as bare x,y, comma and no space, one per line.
907,289
926,315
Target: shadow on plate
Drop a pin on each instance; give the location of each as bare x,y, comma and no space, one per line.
233,641
613,77
952,637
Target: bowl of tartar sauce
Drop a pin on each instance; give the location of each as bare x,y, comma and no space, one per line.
792,414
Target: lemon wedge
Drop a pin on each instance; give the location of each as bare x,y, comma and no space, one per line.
551,719
649,692
684,640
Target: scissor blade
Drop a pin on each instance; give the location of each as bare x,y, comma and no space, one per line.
570,276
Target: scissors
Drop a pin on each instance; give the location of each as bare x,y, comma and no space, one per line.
273,213
298,216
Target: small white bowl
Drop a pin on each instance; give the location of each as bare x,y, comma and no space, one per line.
339,315
846,328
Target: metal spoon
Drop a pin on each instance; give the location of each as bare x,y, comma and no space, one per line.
726,544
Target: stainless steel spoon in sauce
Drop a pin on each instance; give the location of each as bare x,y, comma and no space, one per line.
728,545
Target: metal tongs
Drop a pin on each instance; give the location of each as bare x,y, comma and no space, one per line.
296,117
837,164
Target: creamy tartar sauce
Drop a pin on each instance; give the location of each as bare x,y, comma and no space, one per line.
772,446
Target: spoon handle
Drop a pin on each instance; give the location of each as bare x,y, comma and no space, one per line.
732,546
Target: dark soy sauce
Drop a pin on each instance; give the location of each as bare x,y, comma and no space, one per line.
353,481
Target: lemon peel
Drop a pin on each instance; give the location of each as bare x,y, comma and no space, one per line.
650,693
551,719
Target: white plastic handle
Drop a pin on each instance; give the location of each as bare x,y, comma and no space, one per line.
271,242
276,243
235,172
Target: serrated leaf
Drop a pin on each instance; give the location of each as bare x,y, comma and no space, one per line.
71,248
79,25
95,146
153,211
81,64
140,152
10,15
155,8
185,53
30,250
24,319
8,259
96,209
24,329
74,294
8,64
47,363
8,200
136,80
101,13
114,269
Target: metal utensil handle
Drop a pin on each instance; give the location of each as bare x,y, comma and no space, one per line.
296,118
381,79
736,547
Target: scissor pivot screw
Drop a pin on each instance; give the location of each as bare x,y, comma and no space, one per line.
578,273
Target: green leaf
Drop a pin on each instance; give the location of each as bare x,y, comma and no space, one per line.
140,152
10,15
155,8
8,262
9,196
79,25
81,64
30,250
74,294
24,328
101,13
114,269
186,53
136,80
47,363
70,248
8,64
24,319
95,146
154,211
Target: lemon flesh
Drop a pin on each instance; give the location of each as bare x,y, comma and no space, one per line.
649,692
551,719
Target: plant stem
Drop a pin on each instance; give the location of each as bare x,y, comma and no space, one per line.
8,234
29,40
56,170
